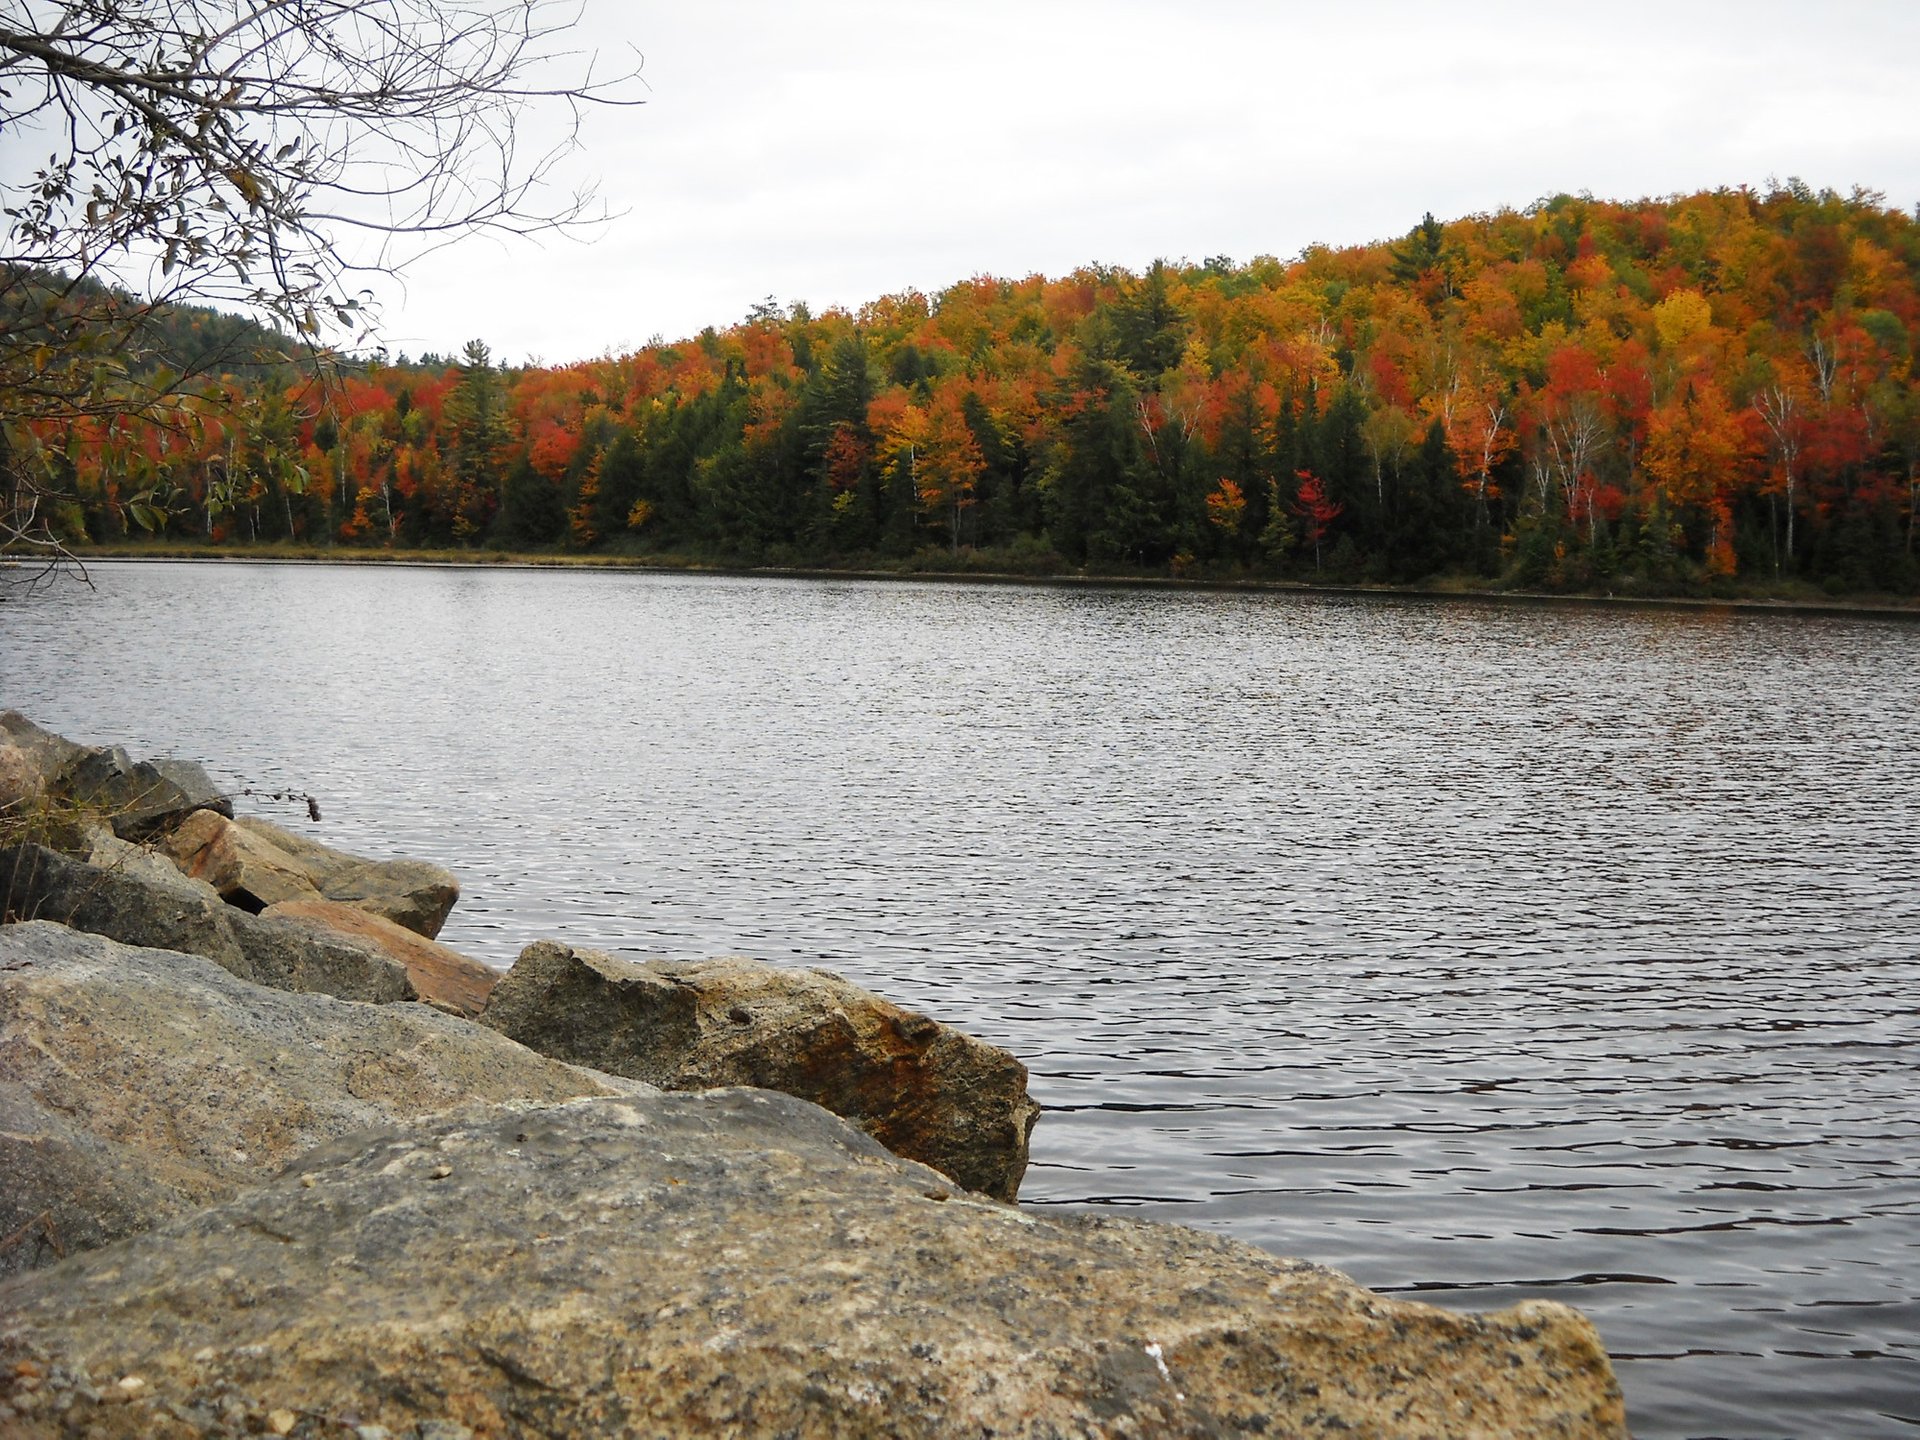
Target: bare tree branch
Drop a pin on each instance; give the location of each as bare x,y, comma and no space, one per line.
264,155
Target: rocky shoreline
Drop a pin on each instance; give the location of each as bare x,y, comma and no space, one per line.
278,1162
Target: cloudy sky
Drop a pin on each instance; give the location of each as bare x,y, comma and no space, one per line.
836,150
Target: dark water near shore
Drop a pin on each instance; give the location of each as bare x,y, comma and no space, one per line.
1482,951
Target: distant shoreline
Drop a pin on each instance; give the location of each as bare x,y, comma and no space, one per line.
417,559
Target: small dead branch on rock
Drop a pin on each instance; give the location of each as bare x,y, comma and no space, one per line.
283,796
43,1222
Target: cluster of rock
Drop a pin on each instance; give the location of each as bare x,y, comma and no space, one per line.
148,852
254,1185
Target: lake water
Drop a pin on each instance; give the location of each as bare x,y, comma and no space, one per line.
1484,951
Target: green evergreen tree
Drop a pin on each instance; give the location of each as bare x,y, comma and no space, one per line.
1419,252
1150,329
478,426
531,509
622,484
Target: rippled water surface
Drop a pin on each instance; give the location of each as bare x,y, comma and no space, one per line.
1482,951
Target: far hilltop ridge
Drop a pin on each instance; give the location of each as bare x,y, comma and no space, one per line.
1710,394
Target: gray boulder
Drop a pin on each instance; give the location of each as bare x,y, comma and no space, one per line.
127,900
139,798
734,1263
139,1084
922,1089
289,956
413,894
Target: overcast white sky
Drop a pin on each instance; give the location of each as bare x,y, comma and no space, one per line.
837,150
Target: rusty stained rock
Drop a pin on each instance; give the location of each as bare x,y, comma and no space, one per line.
440,975
249,872
414,894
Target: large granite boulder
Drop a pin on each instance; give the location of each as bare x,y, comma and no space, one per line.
440,975
137,1084
920,1088
734,1263
413,894
248,871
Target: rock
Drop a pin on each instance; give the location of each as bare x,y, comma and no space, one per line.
46,752
247,870
441,976
100,846
920,1088
412,894
130,894
736,1263
20,780
288,955
127,901
138,1084
138,798
68,1189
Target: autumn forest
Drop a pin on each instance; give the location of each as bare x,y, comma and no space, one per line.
1702,394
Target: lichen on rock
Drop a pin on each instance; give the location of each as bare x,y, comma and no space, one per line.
743,1263
137,1084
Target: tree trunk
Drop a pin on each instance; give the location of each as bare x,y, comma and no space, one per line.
1789,518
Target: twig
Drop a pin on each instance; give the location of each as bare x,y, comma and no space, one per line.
313,805
44,1223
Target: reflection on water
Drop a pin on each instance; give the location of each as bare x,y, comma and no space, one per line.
1485,952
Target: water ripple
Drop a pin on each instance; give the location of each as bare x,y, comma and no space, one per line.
1444,943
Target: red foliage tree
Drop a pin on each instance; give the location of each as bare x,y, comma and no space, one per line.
1316,509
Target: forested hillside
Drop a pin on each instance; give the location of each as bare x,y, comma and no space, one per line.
186,340
1646,396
